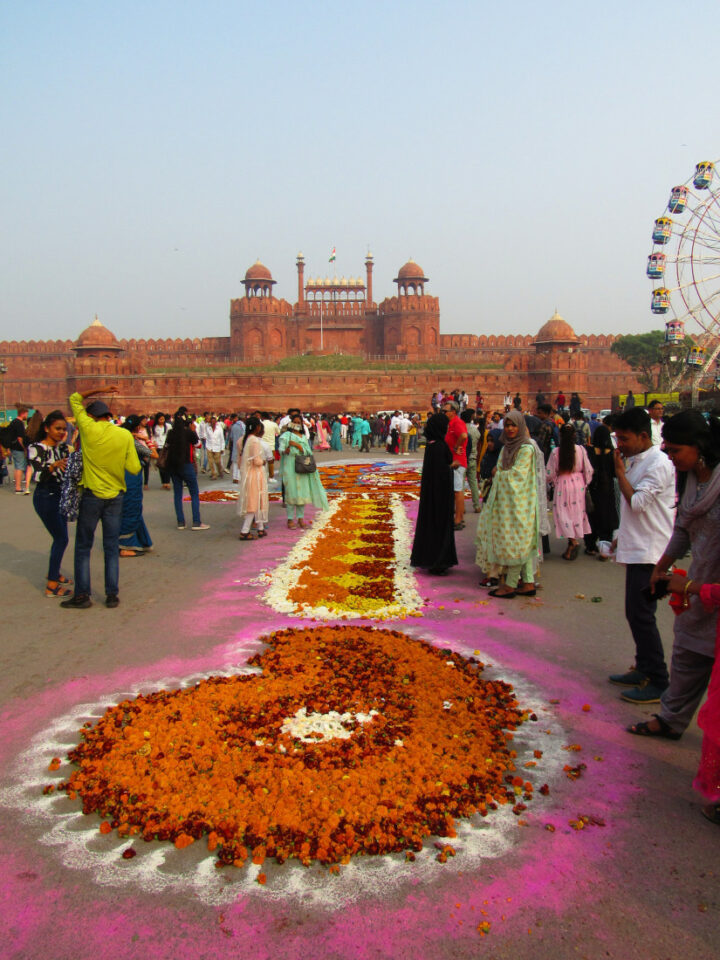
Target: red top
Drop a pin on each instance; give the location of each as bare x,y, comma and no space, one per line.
455,431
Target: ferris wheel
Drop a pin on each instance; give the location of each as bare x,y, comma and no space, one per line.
684,266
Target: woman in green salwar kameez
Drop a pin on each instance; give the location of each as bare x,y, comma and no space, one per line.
508,529
299,488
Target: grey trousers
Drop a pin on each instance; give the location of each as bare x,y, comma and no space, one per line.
689,678
472,482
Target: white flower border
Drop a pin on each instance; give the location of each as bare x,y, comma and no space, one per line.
159,867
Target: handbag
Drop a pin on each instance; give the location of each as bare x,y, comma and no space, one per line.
70,489
162,458
305,463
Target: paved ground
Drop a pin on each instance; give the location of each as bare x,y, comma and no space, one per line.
645,885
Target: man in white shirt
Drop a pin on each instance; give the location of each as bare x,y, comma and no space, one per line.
646,478
656,409
215,445
405,425
201,425
271,431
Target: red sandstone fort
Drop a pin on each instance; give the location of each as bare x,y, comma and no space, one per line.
330,316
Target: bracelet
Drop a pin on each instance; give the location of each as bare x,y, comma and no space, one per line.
686,599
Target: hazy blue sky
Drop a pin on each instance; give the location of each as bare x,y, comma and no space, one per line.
151,151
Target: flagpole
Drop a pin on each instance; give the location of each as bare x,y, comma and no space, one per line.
321,319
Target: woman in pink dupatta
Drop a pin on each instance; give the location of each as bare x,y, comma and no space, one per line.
321,426
707,779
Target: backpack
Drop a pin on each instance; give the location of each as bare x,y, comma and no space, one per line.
580,433
7,436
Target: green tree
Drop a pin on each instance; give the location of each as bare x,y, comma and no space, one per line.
642,353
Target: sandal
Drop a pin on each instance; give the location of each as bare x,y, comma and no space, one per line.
65,580
712,813
262,533
643,729
527,593
247,536
301,524
57,591
502,596
291,525
131,553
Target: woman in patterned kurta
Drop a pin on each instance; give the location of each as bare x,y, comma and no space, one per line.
508,530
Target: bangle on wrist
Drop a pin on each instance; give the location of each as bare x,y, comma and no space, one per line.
686,598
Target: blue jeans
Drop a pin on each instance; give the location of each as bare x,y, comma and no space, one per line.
46,500
189,478
109,513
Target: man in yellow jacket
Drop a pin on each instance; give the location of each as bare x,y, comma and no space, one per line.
108,451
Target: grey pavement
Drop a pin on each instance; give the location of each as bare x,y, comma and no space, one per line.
646,885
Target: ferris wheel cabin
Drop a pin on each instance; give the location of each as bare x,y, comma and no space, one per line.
696,357
656,266
660,300
703,174
674,331
678,199
662,232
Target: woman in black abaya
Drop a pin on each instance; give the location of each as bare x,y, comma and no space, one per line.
434,543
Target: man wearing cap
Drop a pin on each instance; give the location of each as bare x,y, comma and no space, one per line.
108,451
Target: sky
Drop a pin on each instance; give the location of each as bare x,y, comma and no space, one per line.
152,151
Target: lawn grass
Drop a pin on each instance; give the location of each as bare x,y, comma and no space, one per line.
326,362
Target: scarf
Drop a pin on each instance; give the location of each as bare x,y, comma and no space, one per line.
691,509
511,448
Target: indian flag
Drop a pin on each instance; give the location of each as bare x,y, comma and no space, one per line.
332,256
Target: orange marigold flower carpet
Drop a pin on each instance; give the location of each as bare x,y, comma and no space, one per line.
352,740
363,479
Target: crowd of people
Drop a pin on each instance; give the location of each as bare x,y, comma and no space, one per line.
633,485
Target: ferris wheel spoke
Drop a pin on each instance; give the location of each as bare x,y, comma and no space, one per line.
703,234
691,283
702,313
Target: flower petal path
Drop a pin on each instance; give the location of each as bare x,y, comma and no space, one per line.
460,624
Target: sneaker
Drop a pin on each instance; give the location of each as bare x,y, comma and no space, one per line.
633,678
80,601
112,600
201,526
181,526
646,693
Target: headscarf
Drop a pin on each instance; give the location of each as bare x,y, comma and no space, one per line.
490,457
690,428
511,448
436,427
601,438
